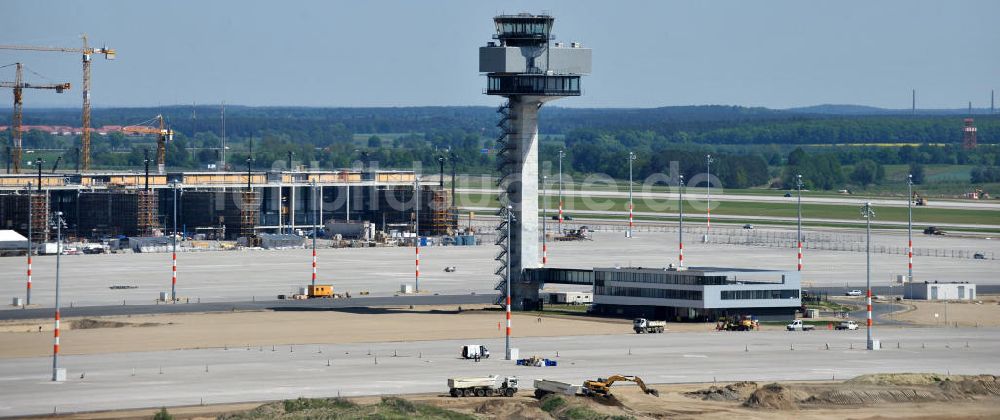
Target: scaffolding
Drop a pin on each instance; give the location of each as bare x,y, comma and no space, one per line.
248,217
441,220
148,219
38,205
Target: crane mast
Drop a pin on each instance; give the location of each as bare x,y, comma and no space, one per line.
164,135
87,51
18,86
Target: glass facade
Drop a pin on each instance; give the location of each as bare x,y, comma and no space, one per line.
759,294
664,277
533,84
560,275
649,293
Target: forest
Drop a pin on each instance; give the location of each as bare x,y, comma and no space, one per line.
749,146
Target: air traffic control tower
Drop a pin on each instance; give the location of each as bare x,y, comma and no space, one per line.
524,65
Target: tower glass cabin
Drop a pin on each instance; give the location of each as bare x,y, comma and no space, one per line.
523,65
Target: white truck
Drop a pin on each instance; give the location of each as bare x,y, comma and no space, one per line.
643,325
483,386
472,351
544,387
798,325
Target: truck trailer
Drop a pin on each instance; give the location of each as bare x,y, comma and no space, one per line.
483,386
643,325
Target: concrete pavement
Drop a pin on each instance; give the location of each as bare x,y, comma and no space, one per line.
237,374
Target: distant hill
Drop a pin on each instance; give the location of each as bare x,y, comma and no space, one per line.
864,110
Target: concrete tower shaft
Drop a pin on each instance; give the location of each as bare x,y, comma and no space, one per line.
527,70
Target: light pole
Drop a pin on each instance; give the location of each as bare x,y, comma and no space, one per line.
680,224
909,231
173,275
868,213
545,215
561,154
55,339
510,219
314,232
416,229
798,230
708,207
631,157
30,222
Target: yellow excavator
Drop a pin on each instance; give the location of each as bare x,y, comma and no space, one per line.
602,387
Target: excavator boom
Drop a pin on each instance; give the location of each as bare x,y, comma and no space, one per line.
602,387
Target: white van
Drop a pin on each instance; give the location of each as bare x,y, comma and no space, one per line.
471,351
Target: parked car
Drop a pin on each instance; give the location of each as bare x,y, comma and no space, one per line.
748,226
798,325
979,256
847,325
855,292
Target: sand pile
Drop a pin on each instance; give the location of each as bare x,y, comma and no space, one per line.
775,397
738,391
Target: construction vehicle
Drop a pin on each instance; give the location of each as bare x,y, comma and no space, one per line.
320,291
484,386
919,200
473,351
164,134
581,234
933,230
643,325
18,85
602,387
545,387
86,51
737,323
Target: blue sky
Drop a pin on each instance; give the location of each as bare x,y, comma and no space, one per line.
408,53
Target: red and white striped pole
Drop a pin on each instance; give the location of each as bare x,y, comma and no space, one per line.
508,355
869,309
173,276
314,263
680,224
909,255
28,300
630,224
416,228
800,255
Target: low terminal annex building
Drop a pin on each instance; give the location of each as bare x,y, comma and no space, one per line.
695,293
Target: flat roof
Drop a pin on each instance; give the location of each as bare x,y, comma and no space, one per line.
693,270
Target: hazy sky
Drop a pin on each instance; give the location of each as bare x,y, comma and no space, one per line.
404,53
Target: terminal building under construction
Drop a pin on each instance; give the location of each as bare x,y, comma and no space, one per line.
221,205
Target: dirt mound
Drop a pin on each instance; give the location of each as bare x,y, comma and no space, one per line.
738,391
89,324
862,397
774,397
971,386
901,379
507,409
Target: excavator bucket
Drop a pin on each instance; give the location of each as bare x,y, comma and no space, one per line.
653,392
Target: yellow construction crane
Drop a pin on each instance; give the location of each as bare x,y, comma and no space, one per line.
18,85
165,134
87,51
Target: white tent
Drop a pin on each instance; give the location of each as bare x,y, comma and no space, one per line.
11,240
